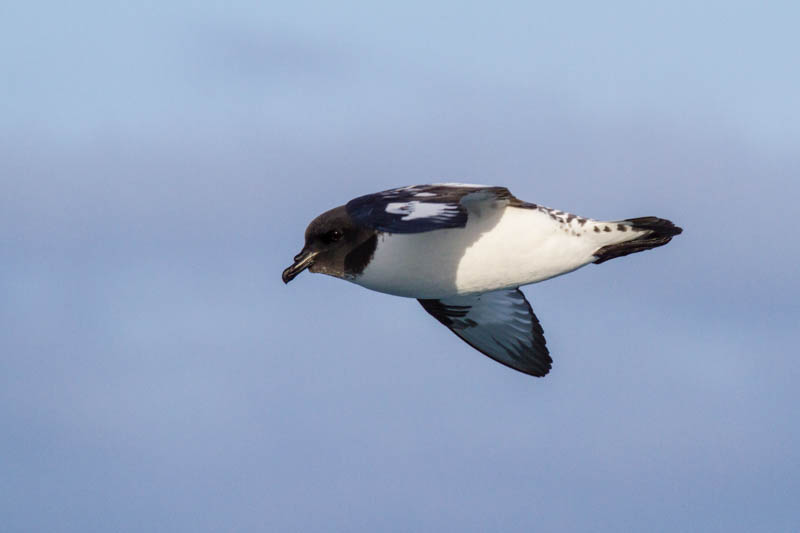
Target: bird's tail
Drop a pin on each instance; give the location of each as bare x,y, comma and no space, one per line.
646,233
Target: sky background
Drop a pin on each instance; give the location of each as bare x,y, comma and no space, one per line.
159,164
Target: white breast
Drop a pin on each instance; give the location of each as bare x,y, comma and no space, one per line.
499,248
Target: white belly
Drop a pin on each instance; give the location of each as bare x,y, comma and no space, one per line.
499,248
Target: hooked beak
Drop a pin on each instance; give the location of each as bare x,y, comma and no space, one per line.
302,261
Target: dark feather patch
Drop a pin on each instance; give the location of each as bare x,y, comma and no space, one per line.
660,233
421,208
359,257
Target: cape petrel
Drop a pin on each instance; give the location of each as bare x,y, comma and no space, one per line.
463,251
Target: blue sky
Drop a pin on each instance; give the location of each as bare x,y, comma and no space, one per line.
159,164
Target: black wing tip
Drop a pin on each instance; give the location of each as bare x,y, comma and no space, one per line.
544,363
538,353
538,372
537,365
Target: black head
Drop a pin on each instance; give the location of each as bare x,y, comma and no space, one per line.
334,245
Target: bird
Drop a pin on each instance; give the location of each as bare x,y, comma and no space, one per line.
463,251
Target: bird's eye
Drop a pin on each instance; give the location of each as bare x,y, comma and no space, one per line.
333,236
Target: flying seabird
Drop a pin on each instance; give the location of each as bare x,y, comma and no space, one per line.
463,251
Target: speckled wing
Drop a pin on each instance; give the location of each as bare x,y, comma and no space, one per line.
500,324
421,208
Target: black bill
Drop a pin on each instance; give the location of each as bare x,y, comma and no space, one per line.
302,261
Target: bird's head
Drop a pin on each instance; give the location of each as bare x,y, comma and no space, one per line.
333,241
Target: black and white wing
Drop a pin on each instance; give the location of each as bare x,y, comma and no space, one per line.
500,324
421,208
